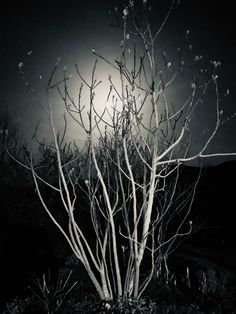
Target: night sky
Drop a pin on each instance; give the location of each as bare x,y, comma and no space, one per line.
37,33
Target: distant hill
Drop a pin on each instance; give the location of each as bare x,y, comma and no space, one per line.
215,208
216,192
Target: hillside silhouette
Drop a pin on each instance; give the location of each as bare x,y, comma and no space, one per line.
30,243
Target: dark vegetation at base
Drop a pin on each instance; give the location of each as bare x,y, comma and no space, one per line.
30,245
213,295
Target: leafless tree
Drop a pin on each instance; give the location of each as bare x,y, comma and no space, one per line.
128,168
9,136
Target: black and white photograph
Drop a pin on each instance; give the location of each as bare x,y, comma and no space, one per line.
118,157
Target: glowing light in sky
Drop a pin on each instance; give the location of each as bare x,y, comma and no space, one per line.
73,41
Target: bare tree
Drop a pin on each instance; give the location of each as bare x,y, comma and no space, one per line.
128,169
9,136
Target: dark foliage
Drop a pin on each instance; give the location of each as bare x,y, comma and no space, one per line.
30,245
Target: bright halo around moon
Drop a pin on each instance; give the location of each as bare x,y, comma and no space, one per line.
107,97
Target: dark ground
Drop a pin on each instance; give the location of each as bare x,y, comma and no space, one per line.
30,245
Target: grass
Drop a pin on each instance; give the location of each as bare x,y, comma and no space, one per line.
201,292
